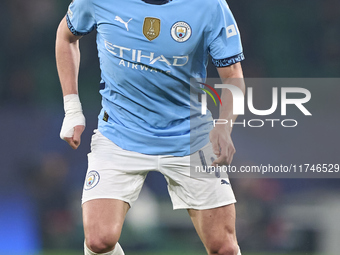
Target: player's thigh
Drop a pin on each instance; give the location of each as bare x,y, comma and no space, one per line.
216,227
103,220
113,181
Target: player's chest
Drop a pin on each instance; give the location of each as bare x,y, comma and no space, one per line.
171,32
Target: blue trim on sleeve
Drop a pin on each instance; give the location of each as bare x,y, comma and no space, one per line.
228,61
73,30
102,86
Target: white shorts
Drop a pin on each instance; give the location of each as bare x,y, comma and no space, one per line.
119,174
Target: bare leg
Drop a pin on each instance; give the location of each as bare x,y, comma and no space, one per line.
216,228
103,221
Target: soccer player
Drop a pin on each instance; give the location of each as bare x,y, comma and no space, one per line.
149,52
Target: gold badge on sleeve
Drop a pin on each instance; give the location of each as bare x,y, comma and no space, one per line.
151,28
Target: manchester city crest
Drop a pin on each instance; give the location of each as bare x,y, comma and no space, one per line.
180,31
91,180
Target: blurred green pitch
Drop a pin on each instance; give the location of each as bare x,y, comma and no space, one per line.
175,253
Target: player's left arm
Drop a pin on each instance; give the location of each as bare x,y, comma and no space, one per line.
220,136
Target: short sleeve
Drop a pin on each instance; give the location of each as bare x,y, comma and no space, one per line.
224,39
80,17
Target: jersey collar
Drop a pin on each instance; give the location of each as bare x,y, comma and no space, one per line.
158,2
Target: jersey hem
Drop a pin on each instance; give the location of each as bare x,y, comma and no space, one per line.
228,61
135,142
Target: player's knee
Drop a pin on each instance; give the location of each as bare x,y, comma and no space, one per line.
228,249
102,243
223,248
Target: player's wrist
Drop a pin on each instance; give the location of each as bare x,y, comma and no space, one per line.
72,104
73,115
223,126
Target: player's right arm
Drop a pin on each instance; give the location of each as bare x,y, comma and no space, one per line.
68,59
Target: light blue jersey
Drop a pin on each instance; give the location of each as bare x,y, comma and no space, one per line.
148,53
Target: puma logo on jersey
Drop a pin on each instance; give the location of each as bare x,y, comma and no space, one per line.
126,24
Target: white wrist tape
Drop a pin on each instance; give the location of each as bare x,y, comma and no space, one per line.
73,115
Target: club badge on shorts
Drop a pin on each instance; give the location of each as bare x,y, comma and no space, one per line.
180,31
92,180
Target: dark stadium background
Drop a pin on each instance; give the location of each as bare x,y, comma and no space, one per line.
41,178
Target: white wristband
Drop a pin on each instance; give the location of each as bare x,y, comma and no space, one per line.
73,115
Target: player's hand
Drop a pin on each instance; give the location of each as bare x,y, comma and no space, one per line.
74,141
72,128
222,144
74,121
